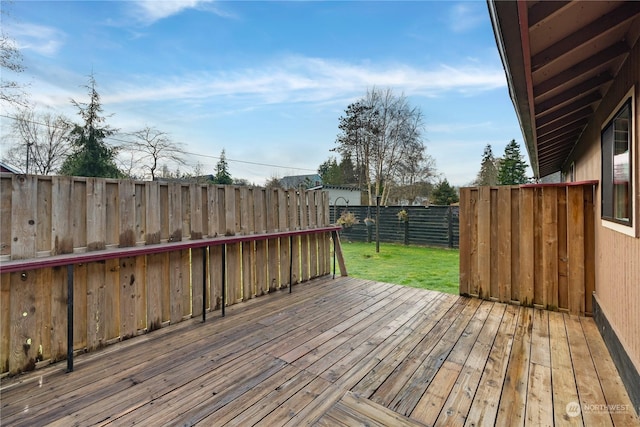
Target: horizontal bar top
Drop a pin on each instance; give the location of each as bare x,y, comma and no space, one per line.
13,266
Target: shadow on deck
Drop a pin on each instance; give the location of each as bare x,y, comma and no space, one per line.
340,352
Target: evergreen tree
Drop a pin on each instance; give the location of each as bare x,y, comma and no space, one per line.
444,194
91,156
488,174
330,172
512,166
222,177
348,170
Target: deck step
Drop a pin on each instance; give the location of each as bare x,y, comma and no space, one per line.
353,409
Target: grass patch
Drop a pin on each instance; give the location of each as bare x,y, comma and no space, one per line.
420,267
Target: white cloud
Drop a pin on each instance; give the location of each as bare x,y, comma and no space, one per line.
150,11
46,41
311,80
466,16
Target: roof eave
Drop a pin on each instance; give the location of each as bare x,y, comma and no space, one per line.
513,51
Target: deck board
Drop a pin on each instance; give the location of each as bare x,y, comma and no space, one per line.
338,352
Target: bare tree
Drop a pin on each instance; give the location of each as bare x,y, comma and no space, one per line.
149,147
11,91
381,132
42,142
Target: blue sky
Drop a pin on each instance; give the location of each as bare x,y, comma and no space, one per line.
267,81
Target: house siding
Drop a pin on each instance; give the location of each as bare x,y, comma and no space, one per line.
617,255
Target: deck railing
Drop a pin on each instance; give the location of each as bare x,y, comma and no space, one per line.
529,245
141,255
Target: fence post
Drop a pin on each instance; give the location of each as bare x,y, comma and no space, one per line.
70,318
450,225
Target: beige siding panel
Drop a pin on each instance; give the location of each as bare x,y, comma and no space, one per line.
617,269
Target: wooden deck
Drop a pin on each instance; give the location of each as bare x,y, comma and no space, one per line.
339,352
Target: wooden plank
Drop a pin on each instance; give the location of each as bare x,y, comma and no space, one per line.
155,277
282,209
294,209
473,232
43,226
23,343
127,201
140,271
165,234
313,256
174,218
313,208
96,214
511,410
563,257
185,282
515,244
562,376
128,323
80,315
153,213
428,408
58,313
587,381
484,242
458,404
6,195
369,412
204,199
5,320
61,232
176,299
273,264
504,243
248,270
484,408
197,279
185,213
539,291
589,248
197,230
621,407
234,273
260,210
464,241
550,247
43,313
215,276
112,214
261,268
96,312
540,393
575,250
285,261
494,249
79,214
24,205
527,246
140,217
112,299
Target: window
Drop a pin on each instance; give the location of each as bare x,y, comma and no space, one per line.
617,188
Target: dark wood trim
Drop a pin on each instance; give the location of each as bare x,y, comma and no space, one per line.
61,260
628,372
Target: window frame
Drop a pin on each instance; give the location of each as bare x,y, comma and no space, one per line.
629,227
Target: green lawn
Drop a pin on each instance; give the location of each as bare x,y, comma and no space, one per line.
417,266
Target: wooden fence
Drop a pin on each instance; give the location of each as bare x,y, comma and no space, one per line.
530,245
46,219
